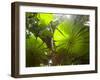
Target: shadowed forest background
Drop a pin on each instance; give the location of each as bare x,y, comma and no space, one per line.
56,39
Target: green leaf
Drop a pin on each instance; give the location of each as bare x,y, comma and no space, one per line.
45,19
35,51
74,39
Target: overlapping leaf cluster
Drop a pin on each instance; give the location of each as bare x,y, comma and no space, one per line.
55,37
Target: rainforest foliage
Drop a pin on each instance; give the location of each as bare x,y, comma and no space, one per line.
56,39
